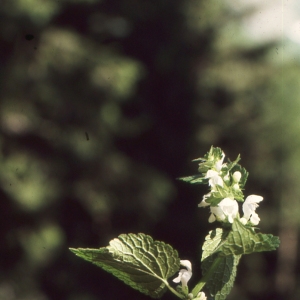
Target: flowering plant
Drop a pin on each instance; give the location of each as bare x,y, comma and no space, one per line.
146,265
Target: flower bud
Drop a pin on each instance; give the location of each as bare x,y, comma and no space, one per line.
236,176
236,186
226,177
201,296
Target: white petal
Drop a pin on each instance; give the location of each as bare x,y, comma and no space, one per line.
243,221
211,173
254,198
230,208
187,264
249,207
230,219
203,204
216,180
206,196
220,163
201,296
211,218
184,275
218,212
254,219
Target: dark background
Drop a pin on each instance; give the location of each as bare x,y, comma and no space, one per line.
104,104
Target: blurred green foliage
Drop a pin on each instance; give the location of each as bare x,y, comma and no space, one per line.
104,103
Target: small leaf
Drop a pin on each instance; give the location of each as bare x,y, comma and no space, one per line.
194,179
212,242
137,260
232,164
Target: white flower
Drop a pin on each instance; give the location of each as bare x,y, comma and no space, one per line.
230,208
214,175
184,274
216,211
214,178
226,208
203,203
201,296
216,214
249,207
219,163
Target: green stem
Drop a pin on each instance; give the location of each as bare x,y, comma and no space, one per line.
206,277
174,291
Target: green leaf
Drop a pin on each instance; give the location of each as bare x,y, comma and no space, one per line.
137,260
222,278
213,154
240,239
232,164
212,242
237,195
194,179
216,196
222,250
222,268
209,160
244,240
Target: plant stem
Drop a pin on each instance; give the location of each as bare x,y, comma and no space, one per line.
174,291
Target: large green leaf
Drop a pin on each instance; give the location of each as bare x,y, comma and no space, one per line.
222,268
240,239
222,278
244,240
136,259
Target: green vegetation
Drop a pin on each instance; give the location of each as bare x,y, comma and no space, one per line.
103,102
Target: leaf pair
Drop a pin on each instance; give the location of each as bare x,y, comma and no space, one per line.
146,265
